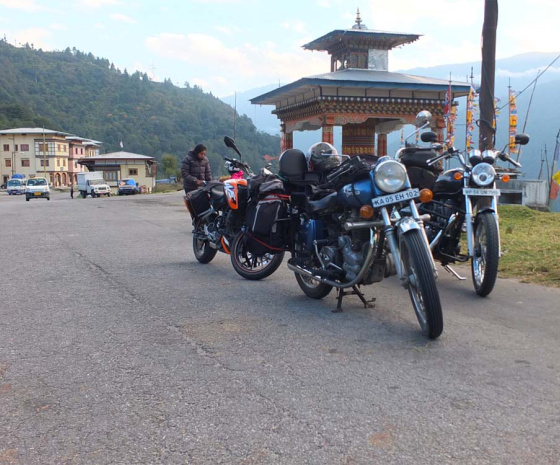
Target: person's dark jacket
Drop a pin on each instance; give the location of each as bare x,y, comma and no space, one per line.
193,170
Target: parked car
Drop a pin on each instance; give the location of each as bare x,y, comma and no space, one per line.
37,188
128,186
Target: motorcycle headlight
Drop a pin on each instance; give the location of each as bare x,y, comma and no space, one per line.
390,176
483,174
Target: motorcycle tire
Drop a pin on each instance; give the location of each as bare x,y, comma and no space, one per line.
421,283
250,266
312,288
484,263
201,247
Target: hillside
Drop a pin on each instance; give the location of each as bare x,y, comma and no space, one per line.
78,93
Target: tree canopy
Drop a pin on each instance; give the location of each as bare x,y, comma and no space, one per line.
76,92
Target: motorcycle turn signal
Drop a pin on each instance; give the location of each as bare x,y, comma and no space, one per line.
426,195
366,212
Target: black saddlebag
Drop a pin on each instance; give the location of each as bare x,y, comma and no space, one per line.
198,203
267,225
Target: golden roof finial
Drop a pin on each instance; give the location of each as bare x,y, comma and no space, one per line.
358,19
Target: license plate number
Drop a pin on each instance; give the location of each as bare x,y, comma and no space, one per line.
481,192
395,198
37,193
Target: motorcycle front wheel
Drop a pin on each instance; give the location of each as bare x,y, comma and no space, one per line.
201,247
250,266
421,283
484,263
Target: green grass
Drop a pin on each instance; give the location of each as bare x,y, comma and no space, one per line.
530,245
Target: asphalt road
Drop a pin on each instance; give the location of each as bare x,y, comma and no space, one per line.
118,347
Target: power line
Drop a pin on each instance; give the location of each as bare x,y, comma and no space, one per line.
533,81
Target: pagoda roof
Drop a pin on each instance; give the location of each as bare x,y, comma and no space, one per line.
361,79
373,39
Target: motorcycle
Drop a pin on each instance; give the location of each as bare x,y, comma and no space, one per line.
461,199
341,240
218,214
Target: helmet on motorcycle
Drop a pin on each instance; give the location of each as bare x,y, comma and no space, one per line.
231,167
322,157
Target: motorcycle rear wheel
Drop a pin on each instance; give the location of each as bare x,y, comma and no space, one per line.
201,247
421,283
484,263
250,266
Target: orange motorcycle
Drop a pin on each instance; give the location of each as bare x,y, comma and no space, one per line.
218,212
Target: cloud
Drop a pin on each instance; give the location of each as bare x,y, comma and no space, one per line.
58,27
99,26
296,25
98,3
123,18
35,36
246,66
26,5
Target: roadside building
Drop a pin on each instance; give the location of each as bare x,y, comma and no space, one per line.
122,165
43,152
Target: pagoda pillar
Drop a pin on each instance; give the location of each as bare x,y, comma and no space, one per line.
328,135
358,139
381,145
440,126
287,141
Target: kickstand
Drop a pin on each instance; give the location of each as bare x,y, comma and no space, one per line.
454,273
355,291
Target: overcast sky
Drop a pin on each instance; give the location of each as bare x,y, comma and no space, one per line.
236,45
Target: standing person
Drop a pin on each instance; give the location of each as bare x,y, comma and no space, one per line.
195,168
71,191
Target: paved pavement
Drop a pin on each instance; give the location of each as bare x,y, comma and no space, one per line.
117,347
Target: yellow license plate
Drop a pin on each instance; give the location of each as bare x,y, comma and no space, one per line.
37,193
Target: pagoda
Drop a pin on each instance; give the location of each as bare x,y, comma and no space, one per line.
359,93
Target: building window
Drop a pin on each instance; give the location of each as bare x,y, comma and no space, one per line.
75,164
25,147
6,147
44,162
59,149
49,148
82,151
133,171
58,162
110,175
25,162
16,148
8,163
64,162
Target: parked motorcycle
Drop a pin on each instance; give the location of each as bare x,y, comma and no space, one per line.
463,198
342,229
218,212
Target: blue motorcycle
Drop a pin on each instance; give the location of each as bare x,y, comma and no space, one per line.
353,225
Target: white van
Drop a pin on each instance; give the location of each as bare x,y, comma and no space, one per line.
16,186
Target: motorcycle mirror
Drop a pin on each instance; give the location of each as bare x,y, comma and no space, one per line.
423,118
522,139
231,144
429,136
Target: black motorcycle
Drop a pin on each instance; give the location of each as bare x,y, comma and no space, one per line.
462,199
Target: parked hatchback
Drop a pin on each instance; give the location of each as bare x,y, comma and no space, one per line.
37,188
128,186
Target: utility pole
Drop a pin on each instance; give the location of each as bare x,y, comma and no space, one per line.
44,155
488,68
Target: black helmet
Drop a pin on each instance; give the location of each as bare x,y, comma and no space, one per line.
322,157
231,167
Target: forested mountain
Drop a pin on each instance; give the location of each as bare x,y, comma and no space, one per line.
74,92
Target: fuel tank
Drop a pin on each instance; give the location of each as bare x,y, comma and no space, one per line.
356,194
447,185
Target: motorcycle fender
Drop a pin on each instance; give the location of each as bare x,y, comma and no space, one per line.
407,224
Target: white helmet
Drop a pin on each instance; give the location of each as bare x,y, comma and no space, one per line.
322,157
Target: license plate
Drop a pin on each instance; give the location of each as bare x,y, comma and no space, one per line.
395,198
481,192
37,193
